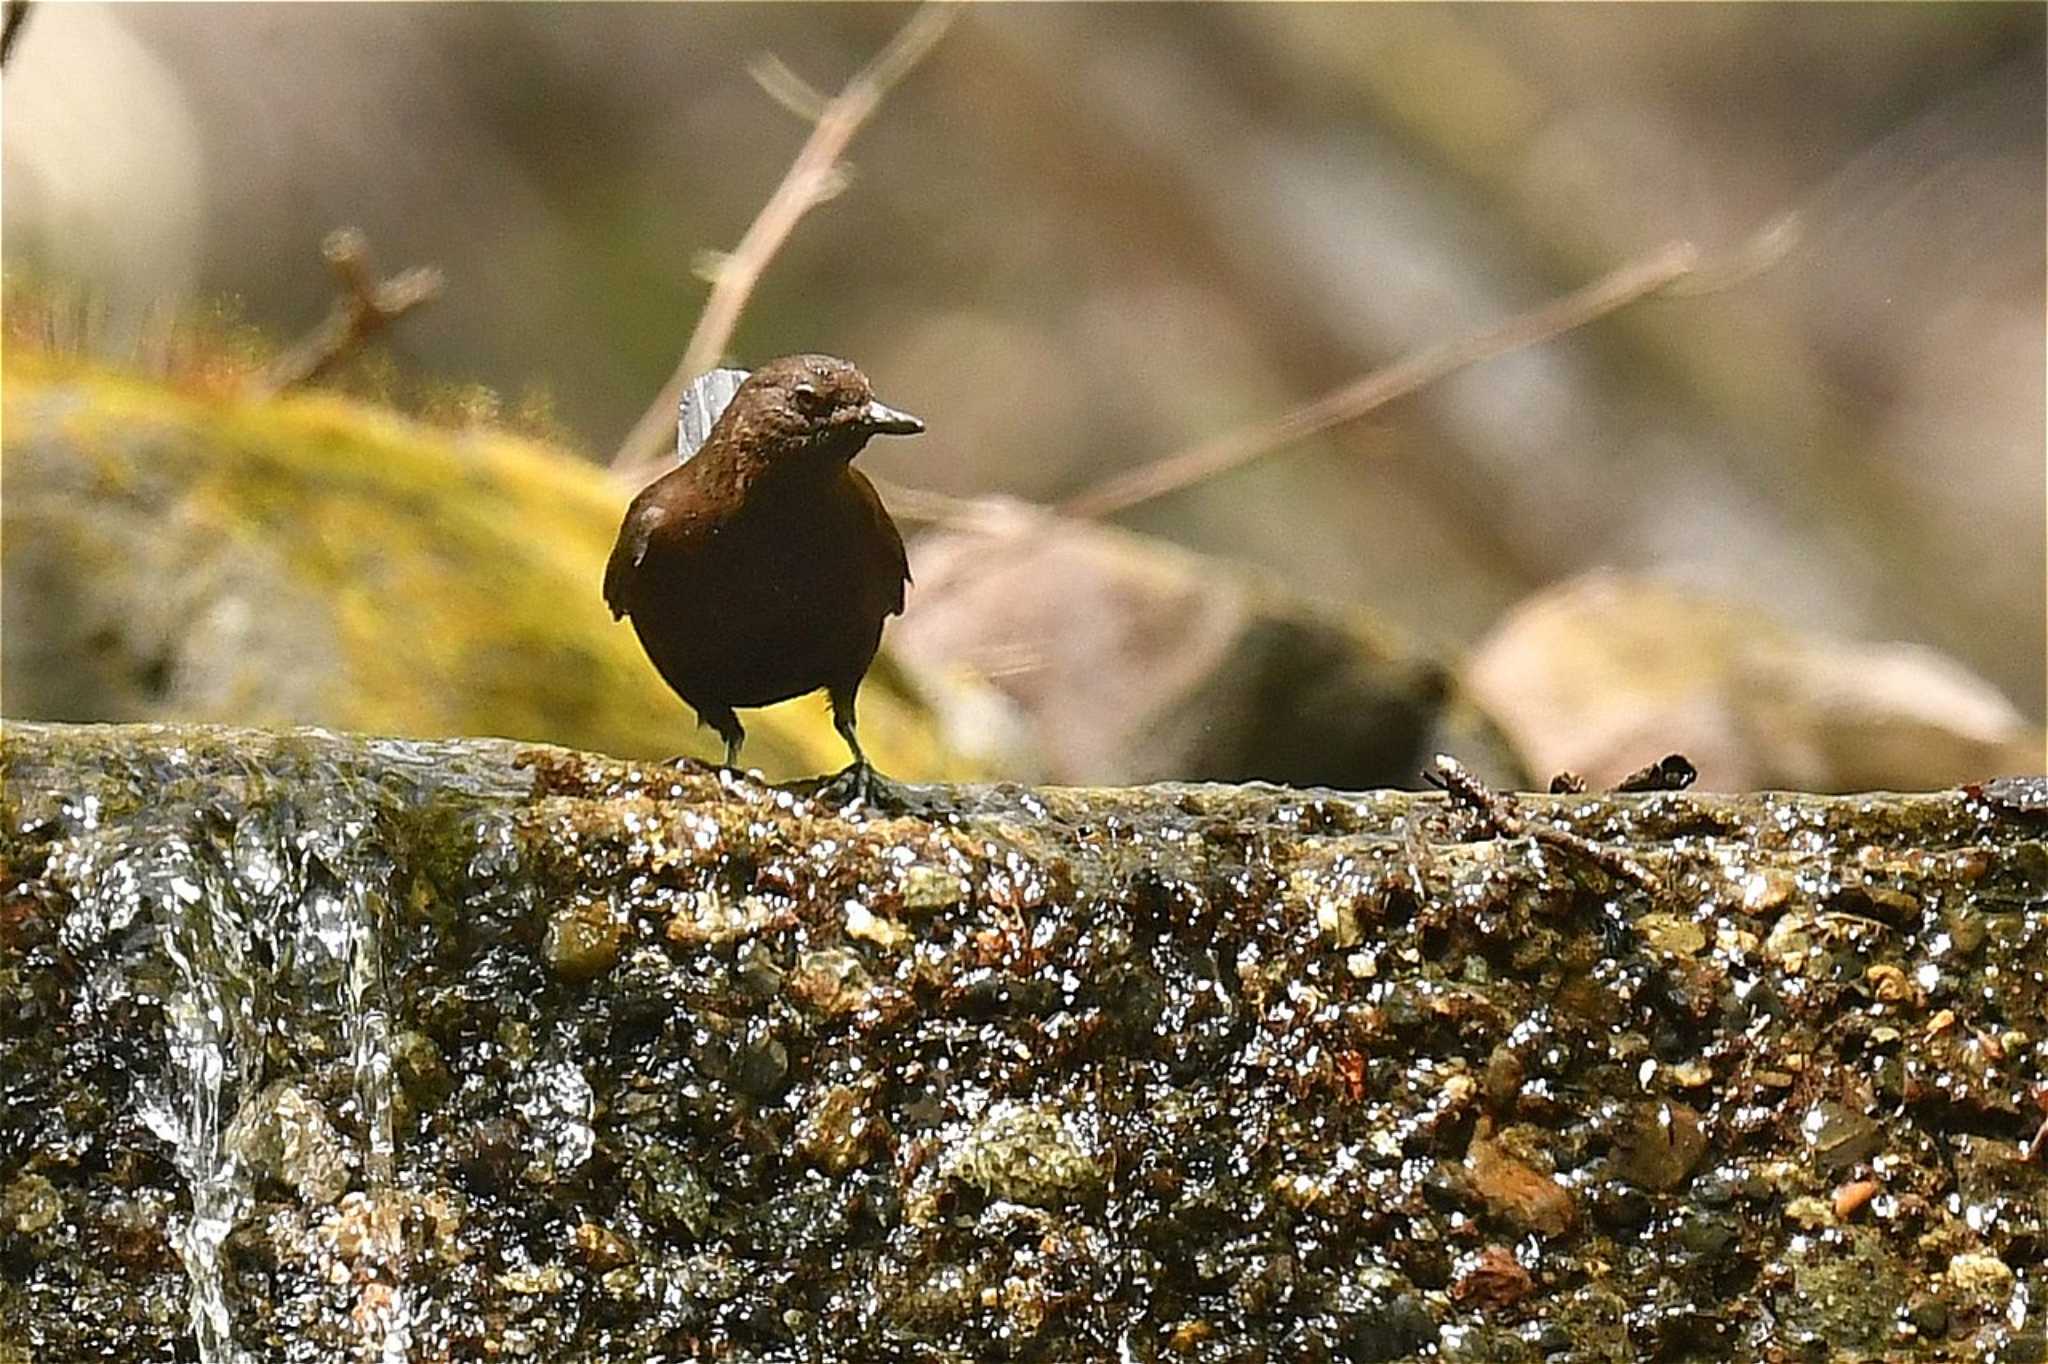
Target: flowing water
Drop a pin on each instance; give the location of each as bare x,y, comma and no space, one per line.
266,896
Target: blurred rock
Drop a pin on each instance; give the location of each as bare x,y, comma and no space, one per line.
1603,670
99,127
1063,651
316,561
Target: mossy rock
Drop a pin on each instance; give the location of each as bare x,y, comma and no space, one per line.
180,555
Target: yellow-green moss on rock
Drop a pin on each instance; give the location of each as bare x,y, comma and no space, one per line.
316,560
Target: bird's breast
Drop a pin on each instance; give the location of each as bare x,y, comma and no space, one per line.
777,600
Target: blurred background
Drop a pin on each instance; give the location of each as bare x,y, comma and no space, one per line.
1793,526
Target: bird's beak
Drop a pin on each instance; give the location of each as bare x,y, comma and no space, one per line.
887,421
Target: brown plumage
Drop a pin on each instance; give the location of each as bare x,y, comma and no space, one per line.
764,566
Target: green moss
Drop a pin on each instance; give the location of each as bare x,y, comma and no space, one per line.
457,574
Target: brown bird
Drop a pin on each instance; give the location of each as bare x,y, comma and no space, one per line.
763,567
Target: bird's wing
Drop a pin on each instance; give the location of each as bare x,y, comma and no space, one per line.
644,519
891,540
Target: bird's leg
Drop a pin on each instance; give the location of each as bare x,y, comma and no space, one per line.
859,782
722,719
729,729
843,721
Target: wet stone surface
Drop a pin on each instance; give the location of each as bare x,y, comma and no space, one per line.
316,1047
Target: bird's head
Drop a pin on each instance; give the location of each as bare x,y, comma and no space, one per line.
809,407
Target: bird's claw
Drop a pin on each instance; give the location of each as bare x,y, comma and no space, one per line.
859,784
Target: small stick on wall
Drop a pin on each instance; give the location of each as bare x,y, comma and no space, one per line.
10,28
1501,814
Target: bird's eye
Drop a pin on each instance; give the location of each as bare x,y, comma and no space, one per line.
809,398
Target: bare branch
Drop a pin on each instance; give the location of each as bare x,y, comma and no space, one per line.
1743,261
922,506
1673,269
10,28
815,176
787,88
363,308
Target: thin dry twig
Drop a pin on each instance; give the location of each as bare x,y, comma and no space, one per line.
10,28
787,88
363,308
1500,813
1673,269
815,176
923,506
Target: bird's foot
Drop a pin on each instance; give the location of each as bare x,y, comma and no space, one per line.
860,784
